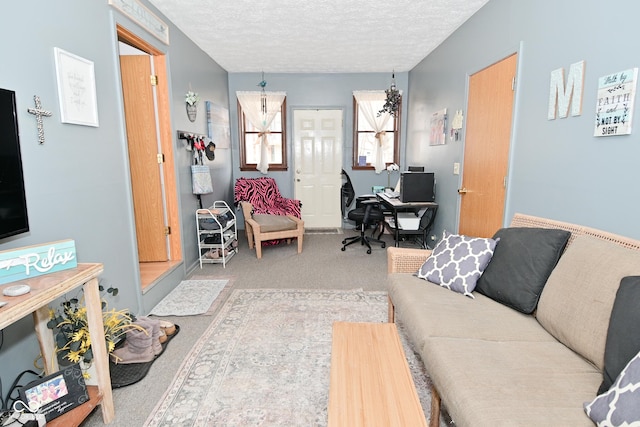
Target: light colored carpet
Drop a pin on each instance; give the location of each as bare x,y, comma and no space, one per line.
189,298
265,360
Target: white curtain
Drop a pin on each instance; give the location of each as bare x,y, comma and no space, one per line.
252,108
370,102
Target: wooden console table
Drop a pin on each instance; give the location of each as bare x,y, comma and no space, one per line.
44,290
371,384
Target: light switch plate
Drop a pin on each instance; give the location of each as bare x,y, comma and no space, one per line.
456,168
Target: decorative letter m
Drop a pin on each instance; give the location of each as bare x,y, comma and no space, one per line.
560,96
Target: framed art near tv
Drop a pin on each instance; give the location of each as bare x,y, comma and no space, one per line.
13,204
76,89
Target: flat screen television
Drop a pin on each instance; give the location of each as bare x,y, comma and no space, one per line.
13,204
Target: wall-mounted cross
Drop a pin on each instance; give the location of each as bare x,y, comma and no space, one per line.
39,113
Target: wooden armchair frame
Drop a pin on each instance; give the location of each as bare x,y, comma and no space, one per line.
255,236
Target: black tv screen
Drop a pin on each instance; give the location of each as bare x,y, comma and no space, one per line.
13,205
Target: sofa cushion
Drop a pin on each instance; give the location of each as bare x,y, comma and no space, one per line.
521,264
623,339
457,262
619,406
575,305
513,383
433,311
270,223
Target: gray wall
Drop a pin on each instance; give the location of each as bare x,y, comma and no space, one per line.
333,91
77,182
557,168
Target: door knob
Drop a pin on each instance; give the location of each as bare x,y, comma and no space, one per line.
462,190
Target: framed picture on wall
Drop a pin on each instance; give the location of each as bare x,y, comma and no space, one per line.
438,127
76,89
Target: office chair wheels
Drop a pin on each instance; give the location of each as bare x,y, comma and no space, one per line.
343,248
369,251
384,245
344,241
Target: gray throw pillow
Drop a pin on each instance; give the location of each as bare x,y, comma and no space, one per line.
457,261
619,406
623,339
521,265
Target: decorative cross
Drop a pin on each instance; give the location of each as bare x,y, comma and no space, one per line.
39,112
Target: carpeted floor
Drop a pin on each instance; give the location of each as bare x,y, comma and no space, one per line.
321,265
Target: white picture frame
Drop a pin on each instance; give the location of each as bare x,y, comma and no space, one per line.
76,89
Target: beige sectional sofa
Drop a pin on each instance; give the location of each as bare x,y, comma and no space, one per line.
491,365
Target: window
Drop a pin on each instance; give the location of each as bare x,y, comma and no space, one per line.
364,134
276,137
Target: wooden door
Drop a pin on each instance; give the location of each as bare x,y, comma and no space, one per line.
486,151
148,204
318,165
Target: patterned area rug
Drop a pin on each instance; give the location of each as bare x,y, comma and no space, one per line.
189,298
309,230
265,360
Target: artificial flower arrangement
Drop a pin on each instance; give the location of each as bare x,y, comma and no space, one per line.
191,98
71,329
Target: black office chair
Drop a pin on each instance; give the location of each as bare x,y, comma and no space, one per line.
347,194
368,214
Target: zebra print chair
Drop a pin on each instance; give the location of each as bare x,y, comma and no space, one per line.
261,198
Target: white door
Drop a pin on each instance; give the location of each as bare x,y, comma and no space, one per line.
317,136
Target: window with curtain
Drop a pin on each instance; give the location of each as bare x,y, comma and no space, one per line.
376,139
262,135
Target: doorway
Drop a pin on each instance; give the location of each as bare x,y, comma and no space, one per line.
317,138
486,150
151,163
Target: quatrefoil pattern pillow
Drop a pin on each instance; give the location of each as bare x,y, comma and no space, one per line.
457,262
619,405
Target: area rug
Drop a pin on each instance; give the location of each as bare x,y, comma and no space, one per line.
309,230
265,360
189,298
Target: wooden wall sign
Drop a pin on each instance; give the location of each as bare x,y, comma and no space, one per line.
37,260
614,109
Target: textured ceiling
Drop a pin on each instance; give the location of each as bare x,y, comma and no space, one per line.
321,36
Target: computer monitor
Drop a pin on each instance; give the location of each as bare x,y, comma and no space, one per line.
417,187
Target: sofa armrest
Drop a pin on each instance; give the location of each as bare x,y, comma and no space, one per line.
405,260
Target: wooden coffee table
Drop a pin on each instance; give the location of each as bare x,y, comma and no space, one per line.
370,380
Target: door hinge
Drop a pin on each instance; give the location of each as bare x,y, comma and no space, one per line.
167,230
513,83
160,158
154,80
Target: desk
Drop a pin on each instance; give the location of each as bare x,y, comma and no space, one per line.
44,290
426,222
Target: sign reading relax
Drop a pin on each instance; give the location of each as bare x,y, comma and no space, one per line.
34,261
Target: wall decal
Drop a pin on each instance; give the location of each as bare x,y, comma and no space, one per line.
614,109
561,96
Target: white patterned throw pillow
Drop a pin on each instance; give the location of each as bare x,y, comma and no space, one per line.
619,405
457,262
